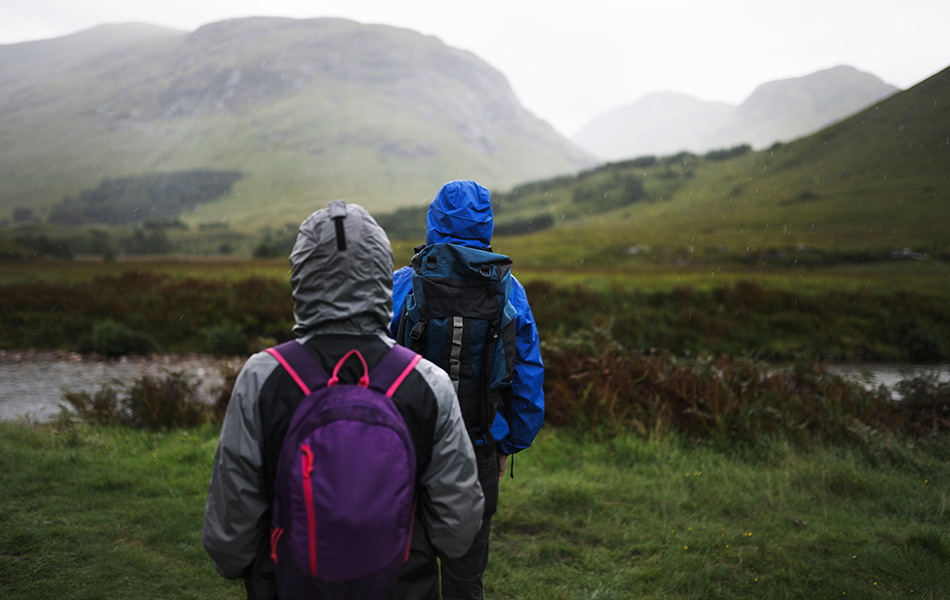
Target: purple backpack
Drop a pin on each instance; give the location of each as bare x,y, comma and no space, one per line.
344,496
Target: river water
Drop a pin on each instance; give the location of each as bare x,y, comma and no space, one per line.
873,375
32,383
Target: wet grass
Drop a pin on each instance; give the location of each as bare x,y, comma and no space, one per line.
654,518
108,512
100,512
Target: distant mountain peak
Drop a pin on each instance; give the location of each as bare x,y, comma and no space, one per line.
666,122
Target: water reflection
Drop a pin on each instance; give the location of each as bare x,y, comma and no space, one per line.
32,384
874,375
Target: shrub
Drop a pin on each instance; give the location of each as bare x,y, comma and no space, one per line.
408,223
164,403
22,214
727,153
925,343
592,383
226,340
610,194
45,245
641,162
98,408
524,226
140,242
149,403
115,339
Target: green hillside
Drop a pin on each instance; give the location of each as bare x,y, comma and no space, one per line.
861,190
307,110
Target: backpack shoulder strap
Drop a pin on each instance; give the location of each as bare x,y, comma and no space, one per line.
300,365
393,370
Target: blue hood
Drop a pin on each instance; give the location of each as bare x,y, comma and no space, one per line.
460,214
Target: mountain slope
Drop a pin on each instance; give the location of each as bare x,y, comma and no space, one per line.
778,110
30,62
308,110
862,189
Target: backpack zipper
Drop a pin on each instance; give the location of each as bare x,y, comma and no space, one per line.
306,470
274,539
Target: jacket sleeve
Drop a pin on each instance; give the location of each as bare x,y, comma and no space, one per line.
402,285
234,527
527,384
453,503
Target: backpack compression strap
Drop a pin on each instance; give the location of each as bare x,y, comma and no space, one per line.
302,367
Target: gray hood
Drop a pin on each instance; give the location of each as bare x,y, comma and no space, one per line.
341,289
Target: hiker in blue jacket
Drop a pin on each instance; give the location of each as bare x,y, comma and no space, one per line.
461,214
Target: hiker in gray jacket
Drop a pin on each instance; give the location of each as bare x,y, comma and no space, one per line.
341,274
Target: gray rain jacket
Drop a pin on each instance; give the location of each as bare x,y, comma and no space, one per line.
342,293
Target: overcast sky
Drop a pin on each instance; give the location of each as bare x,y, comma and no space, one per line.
570,60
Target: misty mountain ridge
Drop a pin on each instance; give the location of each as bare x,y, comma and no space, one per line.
665,123
308,111
870,188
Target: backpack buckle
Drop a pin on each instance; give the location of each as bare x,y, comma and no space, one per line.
417,330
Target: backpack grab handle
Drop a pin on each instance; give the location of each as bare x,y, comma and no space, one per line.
364,380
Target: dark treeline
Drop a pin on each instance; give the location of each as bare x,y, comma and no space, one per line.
134,199
410,223
148,239
739,320
407,223
747,320
144,311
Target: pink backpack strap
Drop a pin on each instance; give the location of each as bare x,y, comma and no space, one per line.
302,367
392,371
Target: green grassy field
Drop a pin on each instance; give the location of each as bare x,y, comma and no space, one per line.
104,512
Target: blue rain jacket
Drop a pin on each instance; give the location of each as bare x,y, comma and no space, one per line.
461,214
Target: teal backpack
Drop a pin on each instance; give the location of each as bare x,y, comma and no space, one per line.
459,316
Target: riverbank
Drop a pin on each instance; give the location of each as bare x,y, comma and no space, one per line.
32,382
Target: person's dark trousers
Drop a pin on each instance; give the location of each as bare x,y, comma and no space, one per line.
419,576
462,577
